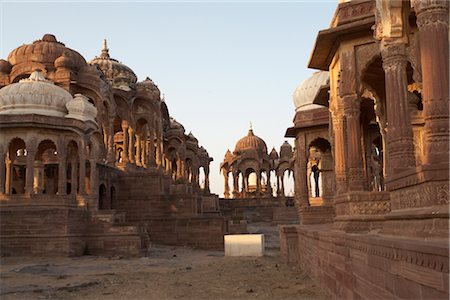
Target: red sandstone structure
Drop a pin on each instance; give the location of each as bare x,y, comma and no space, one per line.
384,130
91,161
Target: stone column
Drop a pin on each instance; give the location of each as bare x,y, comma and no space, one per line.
278,186
125,142
110,156
300,172
131,145
151,150
2,173
282,185
138,150
29,177
8,165
62,172
82,181
258,182
226,186
207,180
268,185
432,20
355,164
74,178
340,165
94,177
144,152
399,144
235,184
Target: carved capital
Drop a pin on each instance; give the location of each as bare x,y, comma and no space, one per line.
394,55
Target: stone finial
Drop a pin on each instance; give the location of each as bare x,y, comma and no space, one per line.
35,76
105,50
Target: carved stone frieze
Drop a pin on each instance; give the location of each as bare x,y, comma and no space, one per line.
425,194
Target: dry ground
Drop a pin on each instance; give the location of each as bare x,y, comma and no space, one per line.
166,273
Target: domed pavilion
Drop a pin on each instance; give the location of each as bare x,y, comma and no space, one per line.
251,166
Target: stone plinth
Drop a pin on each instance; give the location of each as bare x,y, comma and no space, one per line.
244,245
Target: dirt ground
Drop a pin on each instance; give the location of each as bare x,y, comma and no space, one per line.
165,273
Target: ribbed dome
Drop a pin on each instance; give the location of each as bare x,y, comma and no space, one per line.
45,51
286,150
228,156
118,74
150,87
34,95
191,139
250,142
308,90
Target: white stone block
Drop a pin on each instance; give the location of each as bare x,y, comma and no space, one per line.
244,245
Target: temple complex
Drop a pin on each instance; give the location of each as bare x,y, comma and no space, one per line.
372,127
92,162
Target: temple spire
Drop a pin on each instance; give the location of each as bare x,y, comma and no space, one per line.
105,50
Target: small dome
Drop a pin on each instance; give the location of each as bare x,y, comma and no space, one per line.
150,87
45,51
308,90
64,61
174,125
250,142
81,109
273,154
5,67
118,74
34,95
286,150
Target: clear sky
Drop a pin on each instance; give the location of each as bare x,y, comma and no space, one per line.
219,64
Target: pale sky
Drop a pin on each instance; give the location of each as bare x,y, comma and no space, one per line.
219,64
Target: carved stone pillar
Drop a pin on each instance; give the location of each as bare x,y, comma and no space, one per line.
235,184
300,172
8,165
82,181
110,156
94,177
131,145
352,111
339,151
399,137
207,180
29,177
138,150
62,172
268,186
258,182
125,142
74,178
432,20
226,192
282,185
2,173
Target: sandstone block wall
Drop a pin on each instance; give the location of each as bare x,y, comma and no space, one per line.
371,266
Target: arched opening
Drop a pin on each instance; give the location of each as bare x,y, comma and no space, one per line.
250,180
240,182
288,183
102,201
113,197
201,177
263,182
141,142
118,139
46,168
231,182
319,171
16,161
273,182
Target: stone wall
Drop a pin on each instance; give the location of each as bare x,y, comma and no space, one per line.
259,210
368,266
198,232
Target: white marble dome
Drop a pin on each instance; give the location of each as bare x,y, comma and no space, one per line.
34,95
308,90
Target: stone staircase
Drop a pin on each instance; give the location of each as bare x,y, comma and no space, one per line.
271,235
